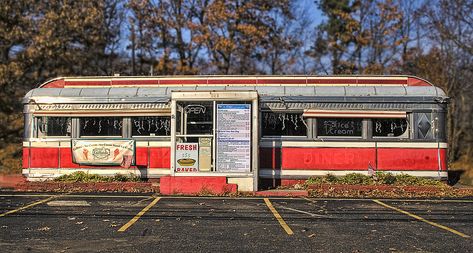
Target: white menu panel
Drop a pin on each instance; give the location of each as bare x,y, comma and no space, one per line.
233,137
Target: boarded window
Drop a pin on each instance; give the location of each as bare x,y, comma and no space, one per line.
101,126
342,127
283,124
54,126
389,127
151,126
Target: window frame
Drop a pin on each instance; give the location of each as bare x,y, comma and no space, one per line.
124,130
351,138
131,125
404,136
41,135
285,137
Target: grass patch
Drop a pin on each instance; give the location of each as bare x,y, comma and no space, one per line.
380,178
84,177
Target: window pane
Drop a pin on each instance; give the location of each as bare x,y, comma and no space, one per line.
54,126
339,126
199,118
101,126
389,127
151,126
283,124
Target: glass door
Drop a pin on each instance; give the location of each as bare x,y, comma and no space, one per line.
194,136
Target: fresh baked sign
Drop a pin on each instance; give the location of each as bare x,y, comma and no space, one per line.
187,157
103,152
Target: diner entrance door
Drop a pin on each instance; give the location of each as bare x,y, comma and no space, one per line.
215,134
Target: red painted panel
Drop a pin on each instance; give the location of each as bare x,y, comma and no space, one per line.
55,84
141,158
66,159
270,158
160,157
44,157
328,158
26,154
170,185
407,159
414,81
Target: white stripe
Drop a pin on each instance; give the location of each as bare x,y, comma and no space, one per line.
45,144
269,173
315,144
35,174
412,145
160,144
67,144
349,144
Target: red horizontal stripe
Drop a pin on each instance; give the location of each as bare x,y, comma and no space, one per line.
281,81
87,83
135,82
183,81
231,81
381,81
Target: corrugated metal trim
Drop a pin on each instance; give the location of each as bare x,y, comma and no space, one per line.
346,106
88,107
353,114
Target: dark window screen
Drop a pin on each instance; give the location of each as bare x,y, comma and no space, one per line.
151,126
54,126
283,124
389,127
339,126
101,126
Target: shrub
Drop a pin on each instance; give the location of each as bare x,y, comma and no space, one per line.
81,176
380,178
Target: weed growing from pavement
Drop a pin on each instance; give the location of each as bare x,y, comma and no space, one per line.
84,177
380,178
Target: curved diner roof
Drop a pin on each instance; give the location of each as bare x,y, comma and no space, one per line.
272,88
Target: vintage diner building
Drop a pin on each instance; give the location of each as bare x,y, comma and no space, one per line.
242,131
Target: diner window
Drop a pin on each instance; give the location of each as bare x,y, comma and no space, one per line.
389,127
101,126
54,126
340,127
283,124
151,126
199,118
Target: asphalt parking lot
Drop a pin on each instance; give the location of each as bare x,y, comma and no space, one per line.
145,223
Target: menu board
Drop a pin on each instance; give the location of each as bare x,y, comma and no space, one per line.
233,137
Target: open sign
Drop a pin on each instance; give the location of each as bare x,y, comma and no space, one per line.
195,109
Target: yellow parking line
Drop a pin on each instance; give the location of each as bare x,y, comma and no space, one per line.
278,217
132,221
28,206
422,219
